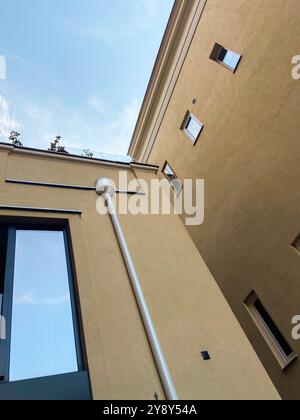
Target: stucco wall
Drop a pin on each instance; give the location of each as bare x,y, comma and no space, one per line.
249,155
188,308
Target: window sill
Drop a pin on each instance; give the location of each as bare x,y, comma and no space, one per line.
68,387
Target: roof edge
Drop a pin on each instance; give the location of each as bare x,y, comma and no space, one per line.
69,157
171,56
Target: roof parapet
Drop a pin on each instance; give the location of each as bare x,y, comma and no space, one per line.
69,157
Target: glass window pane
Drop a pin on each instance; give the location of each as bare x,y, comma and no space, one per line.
194,128
231,59
168,171
42,337
273,328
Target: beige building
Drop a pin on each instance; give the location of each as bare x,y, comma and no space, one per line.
222,106
74,329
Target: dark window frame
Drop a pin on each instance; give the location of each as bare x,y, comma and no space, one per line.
218,54
270,332
56,386
3,249
296,245
177,192
184,127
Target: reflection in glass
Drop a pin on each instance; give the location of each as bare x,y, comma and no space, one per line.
3,250
42,336
174,181
194,127
231,59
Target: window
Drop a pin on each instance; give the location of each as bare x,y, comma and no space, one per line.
278,344
227,58
296,244
42,344
174,181
3,249
192,127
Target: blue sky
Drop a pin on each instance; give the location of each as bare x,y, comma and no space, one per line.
77,68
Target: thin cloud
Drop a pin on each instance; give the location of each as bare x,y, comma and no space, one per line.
143,14
120,131
97,104
105,135
7,122
30,298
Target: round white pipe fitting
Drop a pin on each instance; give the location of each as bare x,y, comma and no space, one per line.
105,186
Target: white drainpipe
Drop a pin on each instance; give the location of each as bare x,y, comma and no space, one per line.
105,188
